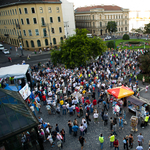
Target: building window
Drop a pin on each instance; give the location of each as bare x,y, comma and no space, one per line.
125,21
125,28
12,22
15,21
25,10
100,24
41,10
61,39
32,10
22,22
125,15
43,22
58,19
100,17
10,12
121,29
20,11
27,44
24,32
27,20
49,9
32,43
54,40
30,32
39,43
34,21
53,30
13,12
36,32
57,9
44,32
51,19
93,24
60,30
46,42
16,11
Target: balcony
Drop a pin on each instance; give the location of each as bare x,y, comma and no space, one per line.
43,25
45,36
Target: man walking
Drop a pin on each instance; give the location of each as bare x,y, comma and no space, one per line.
82,140
140,139
112,139
101,140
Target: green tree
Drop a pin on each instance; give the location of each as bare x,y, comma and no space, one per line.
78,49
144,61
147,29
111,26
110,44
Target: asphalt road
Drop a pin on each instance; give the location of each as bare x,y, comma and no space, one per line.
18,60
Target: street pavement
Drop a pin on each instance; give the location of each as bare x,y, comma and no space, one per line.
92,142
94,130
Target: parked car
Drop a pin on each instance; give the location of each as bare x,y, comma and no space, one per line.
5,51
1,47
107,37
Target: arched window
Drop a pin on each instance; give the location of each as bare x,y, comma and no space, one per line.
32,43
54,40
39,43
61,39
46,42
27,44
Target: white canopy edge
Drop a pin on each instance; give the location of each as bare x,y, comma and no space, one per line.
13,70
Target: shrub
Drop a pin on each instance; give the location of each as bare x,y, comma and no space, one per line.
126,37
110,44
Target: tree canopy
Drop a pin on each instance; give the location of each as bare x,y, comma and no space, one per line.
147,29
144,61
111,26
78,49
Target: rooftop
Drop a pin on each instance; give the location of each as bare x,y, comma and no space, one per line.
105,7
15,115
4,3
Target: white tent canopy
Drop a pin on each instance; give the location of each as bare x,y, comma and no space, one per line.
14,70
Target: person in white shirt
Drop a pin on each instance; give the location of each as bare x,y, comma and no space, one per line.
95,116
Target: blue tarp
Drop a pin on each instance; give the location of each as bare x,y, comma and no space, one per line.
12,88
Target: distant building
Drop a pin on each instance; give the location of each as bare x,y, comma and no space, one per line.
33,24
68,18
95,18
138,19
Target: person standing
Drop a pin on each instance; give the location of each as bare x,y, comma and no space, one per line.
82,140
140,139
131,141
116,144
120,123
146,120
112,139
95,116
101,140
139,147
70,126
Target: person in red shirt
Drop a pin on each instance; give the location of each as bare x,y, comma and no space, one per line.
87,101
116,144
94,102
78,111
44,99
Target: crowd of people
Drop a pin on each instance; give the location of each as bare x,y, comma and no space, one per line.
82,92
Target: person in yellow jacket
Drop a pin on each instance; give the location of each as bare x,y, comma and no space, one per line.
112,139
101,140
146,119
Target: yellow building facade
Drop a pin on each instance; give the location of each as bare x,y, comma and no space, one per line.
32,26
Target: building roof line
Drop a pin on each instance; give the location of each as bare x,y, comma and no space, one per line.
29,2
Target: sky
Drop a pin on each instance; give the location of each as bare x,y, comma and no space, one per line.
131,4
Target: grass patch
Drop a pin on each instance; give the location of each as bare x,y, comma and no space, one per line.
147,77
121,43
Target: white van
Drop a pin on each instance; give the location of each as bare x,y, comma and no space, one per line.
89,35
1,47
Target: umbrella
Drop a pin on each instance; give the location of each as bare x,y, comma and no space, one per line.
120,92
